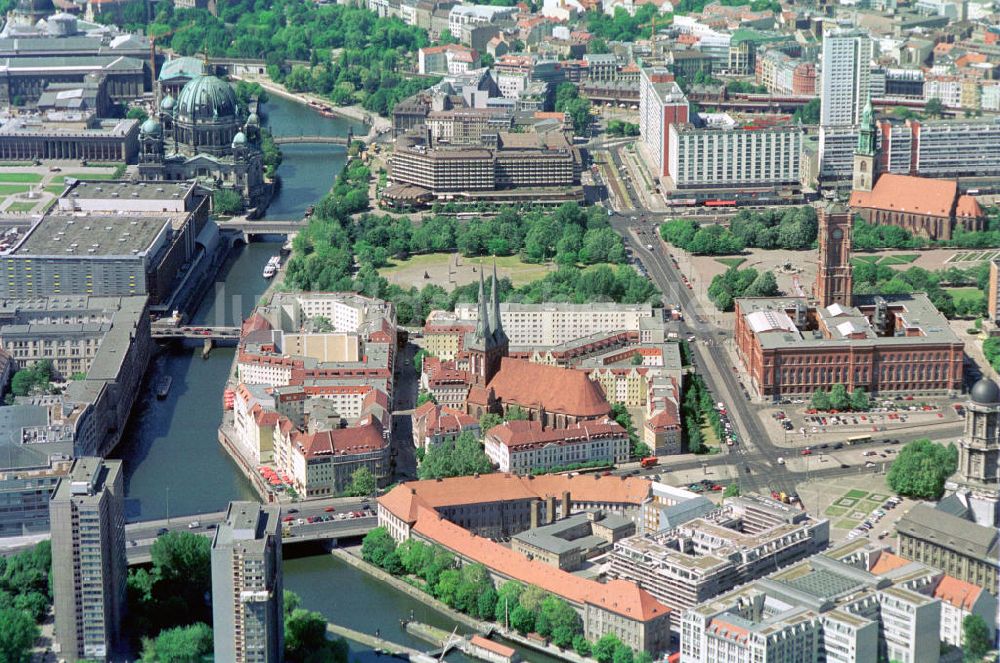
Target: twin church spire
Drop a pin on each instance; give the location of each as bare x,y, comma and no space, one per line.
489,328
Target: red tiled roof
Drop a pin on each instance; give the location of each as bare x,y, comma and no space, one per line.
255,322
403,499
529,434
441,419
558,390
906,193
888,562
495,647
618,596
356,439
957,592
968,208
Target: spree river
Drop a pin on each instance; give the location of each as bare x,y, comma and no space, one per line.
174,464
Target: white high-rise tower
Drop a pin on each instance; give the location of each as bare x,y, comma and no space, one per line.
846,76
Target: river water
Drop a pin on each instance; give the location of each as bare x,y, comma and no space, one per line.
174,464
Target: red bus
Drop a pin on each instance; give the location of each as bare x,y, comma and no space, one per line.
649,461
720,203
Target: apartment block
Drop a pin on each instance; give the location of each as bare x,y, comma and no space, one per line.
722,152
854,604
661,104
845,74
107,338
742,540
523,446
88,559
553,324
247,601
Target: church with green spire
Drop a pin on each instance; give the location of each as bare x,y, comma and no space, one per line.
865,153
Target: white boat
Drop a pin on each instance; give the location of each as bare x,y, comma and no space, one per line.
272,266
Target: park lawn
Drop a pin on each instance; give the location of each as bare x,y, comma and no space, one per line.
55,189
867,506
89,176
965,294
869,259
835,511
11,189
26,178
856,494
901,259
520,272
709,438
20,207
846,523
731,262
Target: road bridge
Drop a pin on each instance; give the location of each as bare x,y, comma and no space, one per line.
276,227
169,332
319,140
141,536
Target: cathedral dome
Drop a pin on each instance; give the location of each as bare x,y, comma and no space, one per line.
253,119
167,104
151,127
239,139
985,392
206,98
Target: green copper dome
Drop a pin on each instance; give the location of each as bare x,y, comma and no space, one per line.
239,139
151,127
206,98
168,103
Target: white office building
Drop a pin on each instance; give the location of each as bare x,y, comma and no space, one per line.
845,78
723,154
554,324
661,104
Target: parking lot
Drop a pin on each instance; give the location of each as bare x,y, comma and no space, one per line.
798,425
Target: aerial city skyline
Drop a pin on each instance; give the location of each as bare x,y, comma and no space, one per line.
610,331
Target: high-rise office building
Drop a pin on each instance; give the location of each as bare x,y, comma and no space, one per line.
88,558
247,609
846,77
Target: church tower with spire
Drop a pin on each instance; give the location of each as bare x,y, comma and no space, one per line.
865,162
489,343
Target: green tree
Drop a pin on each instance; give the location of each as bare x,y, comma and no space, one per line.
425,397
462,456
183,644
137,113
376,546
515,413
226,202
305,639
508,597
976,642
859,400
604,649
581,646
839,400
415,555
522,619
18,632
732,490
820,400
362,483
32,379
934,107
624,654
921,468
808,114
488,421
